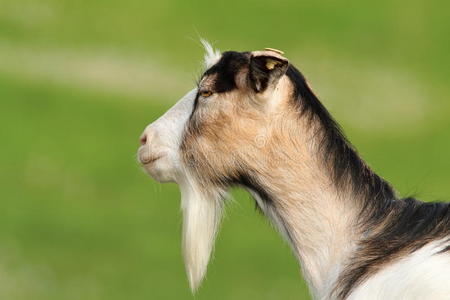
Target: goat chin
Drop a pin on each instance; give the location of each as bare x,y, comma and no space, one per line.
202,211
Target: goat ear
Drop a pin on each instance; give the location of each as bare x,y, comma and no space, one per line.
266,68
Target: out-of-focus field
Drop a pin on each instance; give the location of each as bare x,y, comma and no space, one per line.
79,80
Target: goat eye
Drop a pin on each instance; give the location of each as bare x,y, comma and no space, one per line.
205,94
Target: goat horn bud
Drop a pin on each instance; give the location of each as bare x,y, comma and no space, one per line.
274,50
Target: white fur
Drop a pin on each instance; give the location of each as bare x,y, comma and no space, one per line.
201,207
321,244
313,242
423,274
212,56
164,138
202,210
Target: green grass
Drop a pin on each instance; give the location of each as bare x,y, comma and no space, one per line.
80,220
83,222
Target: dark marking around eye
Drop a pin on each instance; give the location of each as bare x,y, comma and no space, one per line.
226,70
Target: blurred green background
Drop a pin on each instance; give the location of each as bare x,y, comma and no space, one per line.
79,81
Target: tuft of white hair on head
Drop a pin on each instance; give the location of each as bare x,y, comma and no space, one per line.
202,212
212,56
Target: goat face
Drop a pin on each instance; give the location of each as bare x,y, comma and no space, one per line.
230,124
213,137
216,129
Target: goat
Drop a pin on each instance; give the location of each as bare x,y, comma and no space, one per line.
253,121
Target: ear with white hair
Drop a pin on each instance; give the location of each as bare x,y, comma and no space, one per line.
212,56
202,212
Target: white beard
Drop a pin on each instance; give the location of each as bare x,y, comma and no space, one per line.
202,211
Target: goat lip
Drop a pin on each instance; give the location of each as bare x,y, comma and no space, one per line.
150,160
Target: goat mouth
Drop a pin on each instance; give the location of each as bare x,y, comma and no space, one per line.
149,160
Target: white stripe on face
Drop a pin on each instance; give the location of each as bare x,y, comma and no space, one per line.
161,140
160,155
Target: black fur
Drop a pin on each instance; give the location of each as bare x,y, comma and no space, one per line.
339,155
226,69
260,77
250,182
391,227
410,225
403,225
446,249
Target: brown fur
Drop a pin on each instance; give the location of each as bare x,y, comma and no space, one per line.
238,132
280,146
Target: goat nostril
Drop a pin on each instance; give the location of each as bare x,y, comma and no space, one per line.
143,139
